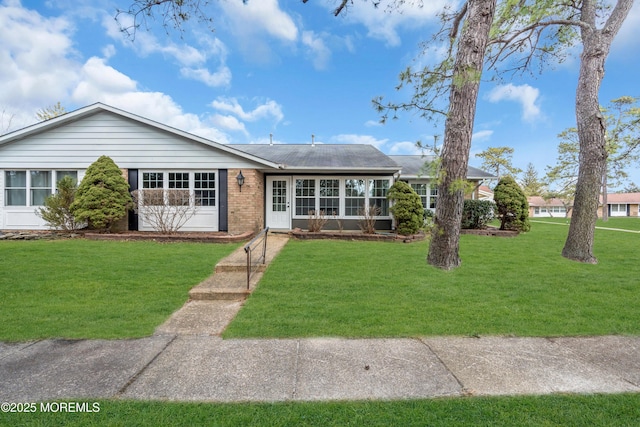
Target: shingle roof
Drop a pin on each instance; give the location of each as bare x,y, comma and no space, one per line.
412,166
540,201
322,156
622,198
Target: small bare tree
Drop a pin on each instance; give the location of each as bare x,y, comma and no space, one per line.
165,210
317,220
367,222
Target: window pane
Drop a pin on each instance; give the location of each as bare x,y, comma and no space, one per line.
15,193
41,179
178,180
152,180
421,190
353,206
15,179
279,196
378,195
330,196
305,196
205,185
15,197
40,187
61,174
354,197
38,197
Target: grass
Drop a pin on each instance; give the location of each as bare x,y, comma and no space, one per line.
505,286
572,410
90,289
624,223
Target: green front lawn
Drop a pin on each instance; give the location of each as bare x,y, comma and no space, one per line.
520,286
89,289
555,410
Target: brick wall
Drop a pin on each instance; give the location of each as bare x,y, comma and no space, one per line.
246,205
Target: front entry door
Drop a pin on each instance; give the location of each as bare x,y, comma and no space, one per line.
278,203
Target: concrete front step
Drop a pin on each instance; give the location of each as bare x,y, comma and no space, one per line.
225,286
238,268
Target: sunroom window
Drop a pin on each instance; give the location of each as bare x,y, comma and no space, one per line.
305,196
378,189
330,196
354,196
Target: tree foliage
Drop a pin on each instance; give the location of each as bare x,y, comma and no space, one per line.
531,184
57,207
103,195
406,208
498,160
476,214
50,112
512,208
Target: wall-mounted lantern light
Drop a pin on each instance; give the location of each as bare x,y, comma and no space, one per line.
240,179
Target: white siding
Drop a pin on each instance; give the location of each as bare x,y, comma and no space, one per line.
132,145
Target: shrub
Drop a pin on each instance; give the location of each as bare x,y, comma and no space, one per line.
316,221
165,210
367,220
57,207
103,195
406,208
476,214
512,207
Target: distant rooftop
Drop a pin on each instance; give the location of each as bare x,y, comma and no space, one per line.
412,166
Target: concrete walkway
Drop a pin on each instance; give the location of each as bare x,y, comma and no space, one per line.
186,360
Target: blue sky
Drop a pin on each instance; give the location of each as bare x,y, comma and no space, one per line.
278,67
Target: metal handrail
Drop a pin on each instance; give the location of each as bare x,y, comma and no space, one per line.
259,240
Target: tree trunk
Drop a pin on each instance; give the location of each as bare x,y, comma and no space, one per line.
445,239
591,128
605,210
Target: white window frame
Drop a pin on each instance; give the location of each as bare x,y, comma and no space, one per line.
167,184
428,199
29,188
342,194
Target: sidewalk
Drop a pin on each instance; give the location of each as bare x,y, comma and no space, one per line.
207,368
186,360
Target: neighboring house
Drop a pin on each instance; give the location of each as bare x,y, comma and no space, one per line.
485,193
548,208
281,185
618,204
621,204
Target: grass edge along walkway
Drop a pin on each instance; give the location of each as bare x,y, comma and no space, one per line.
506,286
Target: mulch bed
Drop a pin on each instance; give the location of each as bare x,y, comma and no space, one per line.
349,235
201,237
491,231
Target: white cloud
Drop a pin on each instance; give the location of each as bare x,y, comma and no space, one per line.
383,22
222,77
358,139
267,109
38,61
405,147
317,49
255,24
192,61
100,82
372,123
482,135
229,123
524,94
259,17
